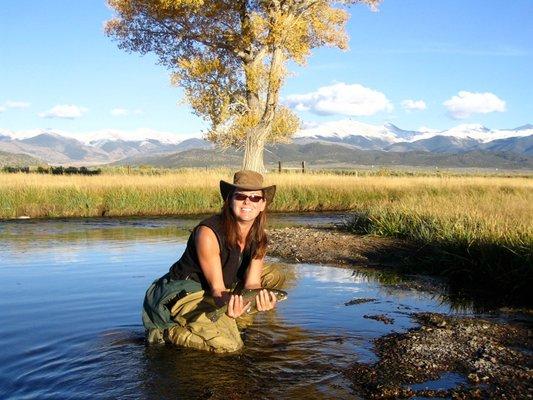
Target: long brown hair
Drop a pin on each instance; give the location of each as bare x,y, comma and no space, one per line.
256,240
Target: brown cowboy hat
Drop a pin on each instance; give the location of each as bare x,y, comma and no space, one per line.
247,180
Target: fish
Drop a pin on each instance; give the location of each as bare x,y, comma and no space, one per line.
248,295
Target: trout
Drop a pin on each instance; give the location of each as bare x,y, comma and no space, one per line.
249,296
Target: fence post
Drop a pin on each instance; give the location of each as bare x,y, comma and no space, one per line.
303,167
279,167
129,169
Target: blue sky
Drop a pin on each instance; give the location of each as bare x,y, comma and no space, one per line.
414,63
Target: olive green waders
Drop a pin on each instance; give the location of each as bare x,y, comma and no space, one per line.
193,329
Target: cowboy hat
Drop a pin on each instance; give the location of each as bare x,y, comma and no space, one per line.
247,180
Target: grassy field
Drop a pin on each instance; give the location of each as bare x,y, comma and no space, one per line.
482,225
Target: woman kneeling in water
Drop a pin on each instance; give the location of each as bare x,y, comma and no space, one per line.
223,252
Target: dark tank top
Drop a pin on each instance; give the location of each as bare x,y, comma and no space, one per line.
234,263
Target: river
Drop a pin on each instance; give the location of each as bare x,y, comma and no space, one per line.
70,324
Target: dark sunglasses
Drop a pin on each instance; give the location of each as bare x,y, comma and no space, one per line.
254,197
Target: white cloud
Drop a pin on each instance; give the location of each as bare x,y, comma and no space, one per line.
467,103
2,109
16,104
414,105
122,112
341,99
66,111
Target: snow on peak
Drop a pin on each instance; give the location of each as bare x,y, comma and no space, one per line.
391,133
104,135
344,128
339,129
468,129
525,127
25,134
476,132
138,135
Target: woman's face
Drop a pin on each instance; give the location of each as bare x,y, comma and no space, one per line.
244,208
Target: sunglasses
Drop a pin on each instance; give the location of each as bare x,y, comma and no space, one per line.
253,198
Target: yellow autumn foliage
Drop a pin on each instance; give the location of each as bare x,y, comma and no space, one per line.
230,57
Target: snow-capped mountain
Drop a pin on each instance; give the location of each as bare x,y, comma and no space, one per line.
108,146
53,148
104,135
61,148
437,144
343,129
389,137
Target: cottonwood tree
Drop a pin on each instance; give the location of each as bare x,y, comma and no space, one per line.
230,57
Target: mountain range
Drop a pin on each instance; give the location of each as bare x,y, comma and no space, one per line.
18,160
337,142
321,155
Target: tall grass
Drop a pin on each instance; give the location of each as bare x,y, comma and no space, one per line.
484,205
484,235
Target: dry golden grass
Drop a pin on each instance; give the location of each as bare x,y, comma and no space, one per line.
503,199
481,207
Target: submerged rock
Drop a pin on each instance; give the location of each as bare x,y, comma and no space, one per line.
359,301
380,317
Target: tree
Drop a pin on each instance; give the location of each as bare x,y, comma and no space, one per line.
230,57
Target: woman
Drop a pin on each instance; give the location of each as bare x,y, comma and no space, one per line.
223,251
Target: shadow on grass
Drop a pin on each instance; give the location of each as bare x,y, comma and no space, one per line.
478,275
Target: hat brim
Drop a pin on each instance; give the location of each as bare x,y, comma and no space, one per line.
227,188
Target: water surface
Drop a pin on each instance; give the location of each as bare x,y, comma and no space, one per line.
70,323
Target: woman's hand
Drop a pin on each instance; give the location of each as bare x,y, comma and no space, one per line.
236,306
265,300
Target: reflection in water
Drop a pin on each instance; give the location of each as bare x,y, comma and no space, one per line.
125,228
278,362
70,326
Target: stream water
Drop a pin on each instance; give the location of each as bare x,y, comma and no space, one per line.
70,319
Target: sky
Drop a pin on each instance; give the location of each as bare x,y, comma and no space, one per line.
417,64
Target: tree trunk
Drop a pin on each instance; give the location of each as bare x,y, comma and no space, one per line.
253,152
256,138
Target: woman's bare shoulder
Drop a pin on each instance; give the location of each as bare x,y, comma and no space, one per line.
205,231
205,238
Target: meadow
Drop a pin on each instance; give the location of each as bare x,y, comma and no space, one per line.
482,225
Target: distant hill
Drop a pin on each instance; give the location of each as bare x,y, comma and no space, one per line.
324,155
58,149
54,149
437,144
518,145
19,160
188,158
118,149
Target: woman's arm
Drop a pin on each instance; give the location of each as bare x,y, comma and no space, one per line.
265,300
252,278
208,252
209,257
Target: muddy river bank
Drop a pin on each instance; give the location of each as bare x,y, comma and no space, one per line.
445,356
